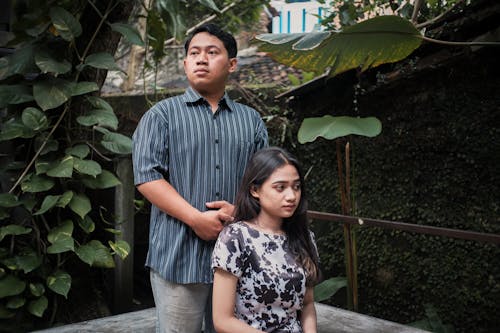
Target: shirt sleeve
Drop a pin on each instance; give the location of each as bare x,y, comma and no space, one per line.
261,136
228,252
150,148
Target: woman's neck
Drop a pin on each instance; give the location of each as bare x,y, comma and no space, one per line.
268,224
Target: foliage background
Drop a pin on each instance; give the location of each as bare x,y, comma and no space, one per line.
435,163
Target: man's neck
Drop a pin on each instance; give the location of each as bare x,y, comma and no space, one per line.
212,98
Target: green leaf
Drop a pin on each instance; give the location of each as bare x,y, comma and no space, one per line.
130,33
60,283
65,199
113,231
102,60
11,286
37,289
121,248
36,28
13,229
6,314
117,143
51,145
84,87
101,117
328,288
8,200
210,4
48,202
42,166
15,94
331,127
20,62
170,13
64,230
3,214
87,224
98,103
49,64
62,168
156,34
28,261
50,94
80,151
14,128
104,180
37,307
15,303
80,204
368,44
63,244
95,254
10,263
35,183
34,119
87,167
29,202
66,24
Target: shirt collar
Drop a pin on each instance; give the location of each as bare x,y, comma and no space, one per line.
191,96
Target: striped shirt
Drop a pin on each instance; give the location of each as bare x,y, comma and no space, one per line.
203,156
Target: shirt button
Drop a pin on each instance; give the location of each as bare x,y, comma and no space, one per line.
217,194
216,140
217,167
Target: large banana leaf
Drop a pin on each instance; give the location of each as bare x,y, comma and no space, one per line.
370,43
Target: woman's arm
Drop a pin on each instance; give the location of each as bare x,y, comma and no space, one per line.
308,316
223,303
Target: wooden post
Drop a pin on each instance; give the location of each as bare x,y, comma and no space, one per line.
124,212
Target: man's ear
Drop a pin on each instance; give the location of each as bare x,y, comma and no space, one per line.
233,63
253,192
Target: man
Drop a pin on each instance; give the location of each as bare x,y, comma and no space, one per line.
189,154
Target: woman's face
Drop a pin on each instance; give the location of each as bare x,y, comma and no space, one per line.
279,195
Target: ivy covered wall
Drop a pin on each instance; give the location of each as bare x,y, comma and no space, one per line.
435,163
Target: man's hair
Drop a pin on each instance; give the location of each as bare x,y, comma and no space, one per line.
226,38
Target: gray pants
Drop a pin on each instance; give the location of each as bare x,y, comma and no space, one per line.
181,308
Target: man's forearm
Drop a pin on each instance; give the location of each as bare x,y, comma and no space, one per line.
164,196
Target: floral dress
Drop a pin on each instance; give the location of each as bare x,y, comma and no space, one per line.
271,283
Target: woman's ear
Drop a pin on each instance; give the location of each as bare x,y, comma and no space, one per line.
254,192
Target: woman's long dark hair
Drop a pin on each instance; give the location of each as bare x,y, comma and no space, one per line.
263,163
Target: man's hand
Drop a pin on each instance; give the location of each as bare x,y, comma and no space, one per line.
224,208
208,225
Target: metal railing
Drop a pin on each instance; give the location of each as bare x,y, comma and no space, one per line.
417,228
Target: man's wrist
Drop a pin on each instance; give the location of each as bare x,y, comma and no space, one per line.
193,217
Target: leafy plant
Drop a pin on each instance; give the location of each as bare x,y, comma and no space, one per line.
432,322
328,288
59,137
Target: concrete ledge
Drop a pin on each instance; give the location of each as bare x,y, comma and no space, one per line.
330,320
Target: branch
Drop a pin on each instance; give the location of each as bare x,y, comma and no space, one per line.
443,42
416,9
38,152
440,16
208,19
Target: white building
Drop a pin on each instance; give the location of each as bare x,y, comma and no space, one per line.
297,16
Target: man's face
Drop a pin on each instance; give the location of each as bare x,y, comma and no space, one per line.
207,64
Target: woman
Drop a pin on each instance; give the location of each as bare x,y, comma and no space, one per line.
266,263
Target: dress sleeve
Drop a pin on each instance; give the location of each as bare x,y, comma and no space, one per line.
229,253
